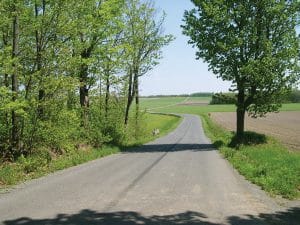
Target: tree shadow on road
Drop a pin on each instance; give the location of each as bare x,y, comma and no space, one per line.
170,148
90,217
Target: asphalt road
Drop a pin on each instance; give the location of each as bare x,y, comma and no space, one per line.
177,179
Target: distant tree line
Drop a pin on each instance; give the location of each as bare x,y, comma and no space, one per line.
223,98
293,97
231,98
70,70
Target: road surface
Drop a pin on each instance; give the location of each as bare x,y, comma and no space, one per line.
177,179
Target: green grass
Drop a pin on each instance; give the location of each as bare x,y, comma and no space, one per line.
165,124
151,103
34,167
290,107
269,165
151,121
197,109
42,164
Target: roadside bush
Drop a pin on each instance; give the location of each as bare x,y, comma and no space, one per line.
34,162
294,97
105,127
223,98
201,94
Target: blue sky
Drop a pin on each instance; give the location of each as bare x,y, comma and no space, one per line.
179,72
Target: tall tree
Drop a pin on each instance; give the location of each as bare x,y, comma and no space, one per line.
111,65
5,44
91,22
145,38
253,44
15,132
39,40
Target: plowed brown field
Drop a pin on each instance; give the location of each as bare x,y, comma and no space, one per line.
284,126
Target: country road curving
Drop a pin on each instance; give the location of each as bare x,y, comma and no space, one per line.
177,179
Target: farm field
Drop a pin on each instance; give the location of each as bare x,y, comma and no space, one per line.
284,126
194,105
157,103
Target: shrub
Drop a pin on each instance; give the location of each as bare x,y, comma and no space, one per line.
223,98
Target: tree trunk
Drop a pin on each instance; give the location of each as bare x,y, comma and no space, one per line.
129,98
6,84
240,123
14,118
137,106
41,95
84,94
38,38
107,95
240,115
137,102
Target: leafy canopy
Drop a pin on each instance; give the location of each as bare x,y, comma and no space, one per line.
252,43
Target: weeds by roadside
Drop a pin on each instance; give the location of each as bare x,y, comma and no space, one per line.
43,163
266,163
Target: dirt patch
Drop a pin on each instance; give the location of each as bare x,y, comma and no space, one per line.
284,126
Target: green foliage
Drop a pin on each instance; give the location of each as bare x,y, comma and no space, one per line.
70,73
144,36
35,162
223,98
43,161
105,128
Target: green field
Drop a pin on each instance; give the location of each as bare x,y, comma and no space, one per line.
174,105
153,103
149,122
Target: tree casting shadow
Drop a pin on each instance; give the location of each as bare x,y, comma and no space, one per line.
170,148
90,217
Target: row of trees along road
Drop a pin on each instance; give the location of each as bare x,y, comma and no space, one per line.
253,44
69,71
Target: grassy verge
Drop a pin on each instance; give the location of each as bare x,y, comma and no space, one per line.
165,124
269,165
41,164
36,166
